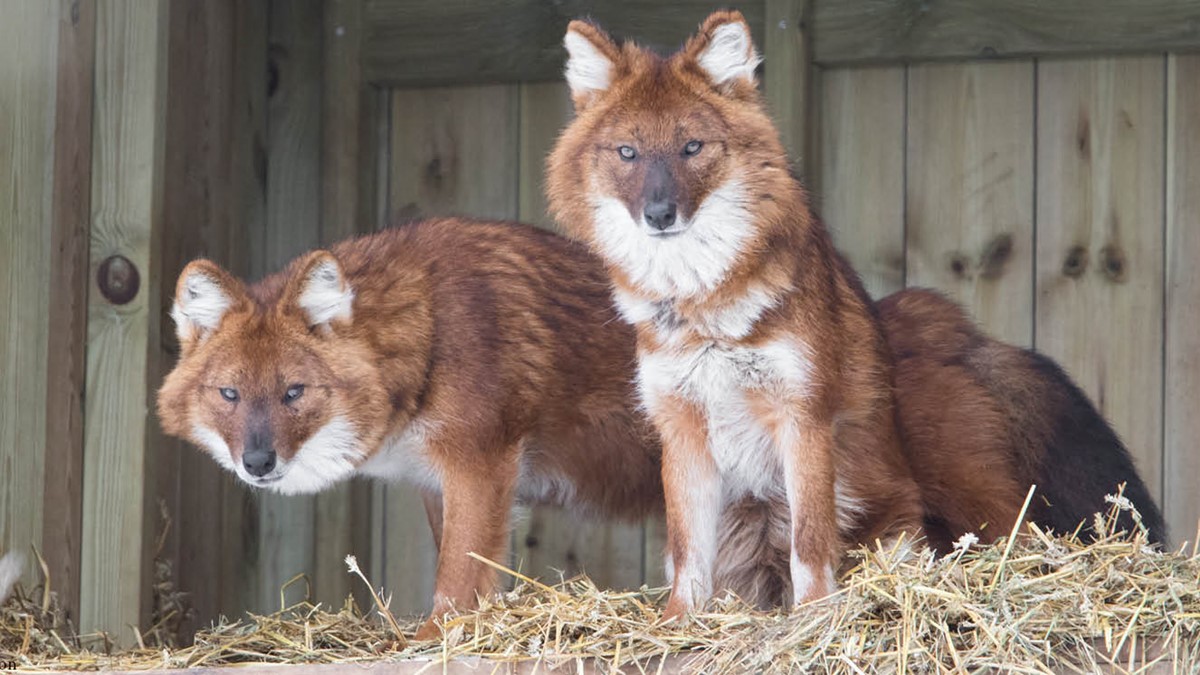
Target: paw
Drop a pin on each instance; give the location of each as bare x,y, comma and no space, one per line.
675,611
430,630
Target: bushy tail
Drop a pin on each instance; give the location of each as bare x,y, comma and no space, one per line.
12,566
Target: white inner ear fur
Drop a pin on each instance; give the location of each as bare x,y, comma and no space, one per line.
200,308
326,295
730,54
589,70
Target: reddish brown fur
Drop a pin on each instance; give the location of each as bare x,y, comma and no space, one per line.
499,337
844,419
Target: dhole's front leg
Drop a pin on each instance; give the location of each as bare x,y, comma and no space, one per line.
809,475
476,500
692,486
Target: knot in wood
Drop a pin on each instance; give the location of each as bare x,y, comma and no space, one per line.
1115,266
995,256
118,279
1076,263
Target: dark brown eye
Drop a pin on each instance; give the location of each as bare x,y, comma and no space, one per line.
229,394
692,148
294,392
627,153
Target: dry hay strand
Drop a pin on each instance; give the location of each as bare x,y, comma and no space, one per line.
1029,603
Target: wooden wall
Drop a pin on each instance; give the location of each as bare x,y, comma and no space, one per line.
1057,197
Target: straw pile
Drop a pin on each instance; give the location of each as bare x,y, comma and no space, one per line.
1030,603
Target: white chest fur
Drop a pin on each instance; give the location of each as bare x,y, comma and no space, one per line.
718,378
402,457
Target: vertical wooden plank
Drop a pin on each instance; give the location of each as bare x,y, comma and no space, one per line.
545,110
127,155
208,176
1100,239
550,540
248,169
28,74
787,78
381,104
343,516
1181,501
862,170
62,506
452,151
969,192
286,538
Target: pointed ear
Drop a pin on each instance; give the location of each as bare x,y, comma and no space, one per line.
591,61
204,294
320,290
724,50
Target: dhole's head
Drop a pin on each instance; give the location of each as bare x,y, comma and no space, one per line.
270,380
672,167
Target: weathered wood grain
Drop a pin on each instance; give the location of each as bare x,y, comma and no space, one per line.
1100,239
430,42
969,192
545,110
1181,466
287,524
788,75
62,503
28,78
857,31
347,208
127,161
454,151
862,170
238,510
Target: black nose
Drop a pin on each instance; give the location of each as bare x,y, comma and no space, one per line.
660,215
259,462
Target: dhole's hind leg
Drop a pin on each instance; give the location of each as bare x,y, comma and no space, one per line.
693,499
476,500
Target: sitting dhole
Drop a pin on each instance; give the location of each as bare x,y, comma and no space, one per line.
760,360
481,361
764,365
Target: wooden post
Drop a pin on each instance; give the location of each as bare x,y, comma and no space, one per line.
28,74
1181,502
286,536
62,517
127,158
343,516
788,76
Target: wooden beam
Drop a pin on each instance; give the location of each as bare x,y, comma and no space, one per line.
62,506
787,78
862,31
287,524
28,75
127,160
1181,503
434,42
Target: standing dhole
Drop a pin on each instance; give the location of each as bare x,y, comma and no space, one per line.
760,360
482,362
